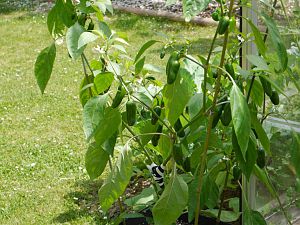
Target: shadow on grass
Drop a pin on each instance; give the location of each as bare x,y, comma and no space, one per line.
82,203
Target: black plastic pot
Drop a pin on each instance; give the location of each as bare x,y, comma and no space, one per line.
182,220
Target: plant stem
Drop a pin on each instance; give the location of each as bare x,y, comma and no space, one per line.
206,67
210,120
152,111
278,200
86,76
138,141
223,195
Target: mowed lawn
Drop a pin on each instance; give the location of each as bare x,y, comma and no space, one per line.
42,146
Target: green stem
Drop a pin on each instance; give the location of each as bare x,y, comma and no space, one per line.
86,76
210,120
206,68
138,141
278,200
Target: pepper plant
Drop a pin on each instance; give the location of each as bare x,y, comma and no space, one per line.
199,129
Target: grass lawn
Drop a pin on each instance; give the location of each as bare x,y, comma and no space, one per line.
42,146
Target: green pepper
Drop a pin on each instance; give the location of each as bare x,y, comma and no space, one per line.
226,115
172,68
131,112
229,68
157,110
216,15
156,137
177,153
275,98
266,86
223,25
236,172
261,158
119,96
91,26
217,116
82,18
178,127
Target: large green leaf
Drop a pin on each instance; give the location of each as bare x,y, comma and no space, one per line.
196,71
226,216
85,38
109,144
108,125
258,39
164,146
246,163
251,217
72,38
192,8
177,95
262,136
209,195
263,177
54,22
276,41
240,117
103,81
43,66
67,12
144,48
145,127
93,114
172,202
95,160
117,181
142,200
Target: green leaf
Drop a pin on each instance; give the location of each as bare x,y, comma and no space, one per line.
144,48
226,216
192,8
257,92
172,202
164,146
263,177
240,117
117,181
55,25
142,200
209,195
177,95
258,39
139,65
95,160
145,127
67,12
103,81
104,29
72,38
196,71
93,114
110,143
276,41
258,61
252,217
262,136
85,88
195,104
43,66
246,163
85,38
295,153
108,125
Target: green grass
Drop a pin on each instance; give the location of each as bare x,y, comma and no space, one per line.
42,146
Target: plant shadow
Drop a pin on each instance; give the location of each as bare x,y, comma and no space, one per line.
82,203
